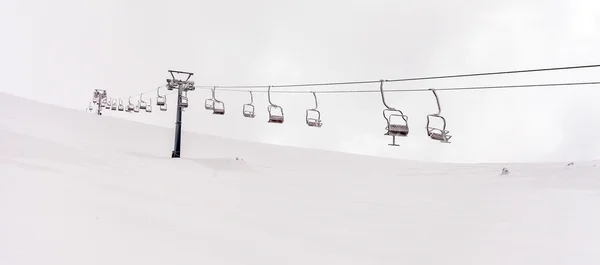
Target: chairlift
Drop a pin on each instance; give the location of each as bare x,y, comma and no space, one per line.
163,107
273,110
108,104
136,109
248,109
149,106
130,106
160,100
218,106
209,103
184,100
114,104
121,106
142,103
311,120
438,134
397,122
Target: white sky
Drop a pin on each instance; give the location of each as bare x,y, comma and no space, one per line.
59,51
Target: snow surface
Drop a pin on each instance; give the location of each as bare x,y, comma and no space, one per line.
77,188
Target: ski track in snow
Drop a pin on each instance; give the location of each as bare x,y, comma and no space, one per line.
76,188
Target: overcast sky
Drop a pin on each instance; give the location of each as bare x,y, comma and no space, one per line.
59,51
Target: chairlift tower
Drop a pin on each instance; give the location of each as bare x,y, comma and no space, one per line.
99,97
182,87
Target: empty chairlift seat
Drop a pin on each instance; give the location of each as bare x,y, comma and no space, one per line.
396,121
313,116
160,100
209,104
212,103
142,103
248,109
121,106
149,106
219,108
130,106
397,125
275,111
184,102
275,114
314,122
437,133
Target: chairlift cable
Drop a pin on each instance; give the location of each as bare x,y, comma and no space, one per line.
145,92
422,89
230,88
411,78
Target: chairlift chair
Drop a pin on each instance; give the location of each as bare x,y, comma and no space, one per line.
248,109
218,106
435,133
114,104
184,100
136,109
311,120
90,107
275,111
314,122
160,100
130,106
149,106
121,106
209,103
163,107
142,103
275,117
397,122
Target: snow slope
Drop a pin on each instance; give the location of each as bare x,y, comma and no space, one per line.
76,188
